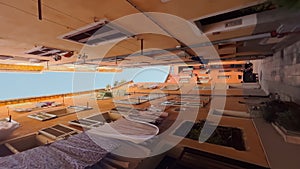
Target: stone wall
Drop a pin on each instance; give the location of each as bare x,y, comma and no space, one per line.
281,73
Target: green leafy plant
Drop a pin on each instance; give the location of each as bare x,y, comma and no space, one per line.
286,114
108,94
221,136
117,83
271,110
291,4
289,119
108,86
269,115
194,134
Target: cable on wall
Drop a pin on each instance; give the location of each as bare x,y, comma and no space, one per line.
40,9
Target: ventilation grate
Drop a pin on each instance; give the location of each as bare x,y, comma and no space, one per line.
97,33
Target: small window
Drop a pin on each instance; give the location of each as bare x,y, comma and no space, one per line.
233,23
225,70
224,77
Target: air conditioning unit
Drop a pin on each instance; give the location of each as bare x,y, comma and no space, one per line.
46,51
97,33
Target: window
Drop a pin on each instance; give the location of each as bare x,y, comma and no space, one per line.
224,77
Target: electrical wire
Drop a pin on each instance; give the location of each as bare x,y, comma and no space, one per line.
57,23
35,15
63,13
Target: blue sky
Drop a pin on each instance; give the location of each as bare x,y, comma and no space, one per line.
21,85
